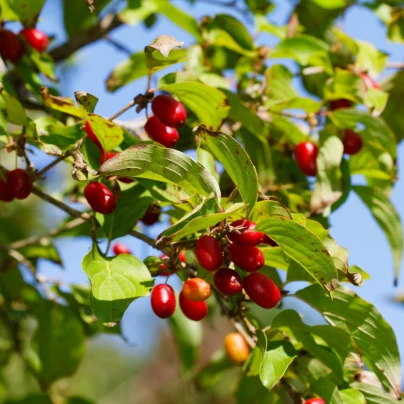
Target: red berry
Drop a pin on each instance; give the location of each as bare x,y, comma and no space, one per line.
6,194
152,215
208,253
19,183
246,236
161,133
315,400
11,47
249,259
341,103
120,248
100,198
36,39
228,281
352,142
262,290
163,300
369,82
93,137
104,157
306,155
193,310
169,111
196,289
268,240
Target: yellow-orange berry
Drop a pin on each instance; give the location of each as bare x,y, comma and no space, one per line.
196,289
236,348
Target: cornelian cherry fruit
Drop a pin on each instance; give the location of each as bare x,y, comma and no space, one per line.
306,155
369,82
196,289
93,137
106,156
121,248
152,215
5,192
236,348
316,400
262,290
249,259
169,111
196,311
100,198
19,183
246,236
352,142
11,47
228,281
341,103
163,300
161,133
268,240
209,253
36,39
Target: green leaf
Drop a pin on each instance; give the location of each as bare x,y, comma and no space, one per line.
304,247
369,59
328,185
277,358
388,219
127,71
57,355
236,162
188,336
306,50
86,100
327,389
115,284
26,11
132,206
263,25
55,133
251,390
163,164
352,396
162,53
108,133
46,250
14,111
263,209
376,131
207,103
394,86
375,100
61,104
34,398
367,327
373,395
202,223
344,84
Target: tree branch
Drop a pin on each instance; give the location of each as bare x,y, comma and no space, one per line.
103,27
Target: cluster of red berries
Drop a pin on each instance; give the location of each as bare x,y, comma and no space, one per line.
306,152
12,46
17,185
169,114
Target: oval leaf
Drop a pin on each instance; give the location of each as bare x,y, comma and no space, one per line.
304,247
236,162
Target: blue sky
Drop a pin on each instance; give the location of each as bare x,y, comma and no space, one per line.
352,225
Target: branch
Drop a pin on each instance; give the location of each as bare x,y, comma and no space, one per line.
144,238
103,27
243,332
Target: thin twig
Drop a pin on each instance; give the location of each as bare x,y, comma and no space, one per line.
144,238
41,173
395,65
118,45
121,111
243,332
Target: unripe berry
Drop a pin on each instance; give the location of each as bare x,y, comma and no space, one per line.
193,310
196,289
153,265
341,103
120,248
246,236
352,142
249,259
169,111
161,133
306,155
93,137
6,194
236,348
100,198
11,47
208,253
36,39
163,300
315,400
228,281
19,183
262,290
152,215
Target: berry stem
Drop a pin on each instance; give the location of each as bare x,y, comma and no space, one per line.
121,111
